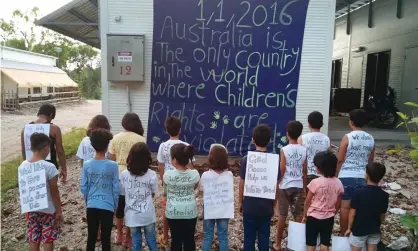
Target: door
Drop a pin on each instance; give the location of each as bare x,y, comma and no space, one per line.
410,82
377,75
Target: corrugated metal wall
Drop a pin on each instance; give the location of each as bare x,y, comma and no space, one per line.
387,33
137,17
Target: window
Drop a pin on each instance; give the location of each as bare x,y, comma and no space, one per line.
37,90
50,89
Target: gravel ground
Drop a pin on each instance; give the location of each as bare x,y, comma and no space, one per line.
68,115
74,233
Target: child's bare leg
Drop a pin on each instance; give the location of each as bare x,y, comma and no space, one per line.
165,230
371,247
310,248
344,212
49,246
281,224
324,248
298,219
355,248
34,246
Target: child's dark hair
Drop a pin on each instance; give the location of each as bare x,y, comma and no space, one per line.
359,117
294,129
100,139
98,121
182,153
218,158
132,123
173,126
39,141
326,162
47,110
375,171
262,135
316,120
139,159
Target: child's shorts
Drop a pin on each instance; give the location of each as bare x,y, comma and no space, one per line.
322,227
292,197
120,211
360,241
41,228
351,185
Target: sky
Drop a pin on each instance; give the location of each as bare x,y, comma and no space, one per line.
45,6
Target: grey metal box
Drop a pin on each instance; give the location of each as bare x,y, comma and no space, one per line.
125,57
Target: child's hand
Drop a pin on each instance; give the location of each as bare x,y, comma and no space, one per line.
347,233
303,219
59,220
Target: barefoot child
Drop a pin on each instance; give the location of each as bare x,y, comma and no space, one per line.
257,212
292,186
181,209
173,128
218,174
43,225
368,209
139,185
100,188
322,202
356,151
315,142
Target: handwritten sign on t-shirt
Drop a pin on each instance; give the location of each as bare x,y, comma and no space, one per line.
261,175
32,187
31,129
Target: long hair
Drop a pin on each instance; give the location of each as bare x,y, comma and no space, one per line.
139,159
182,153
132,123
98,122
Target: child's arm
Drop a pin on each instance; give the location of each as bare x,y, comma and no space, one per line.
308,202
282,165
116,185
341,154
241,194
55,196
338,204
161,172
351,217
84,183
60,152
300,141
371,156
305,174
22,143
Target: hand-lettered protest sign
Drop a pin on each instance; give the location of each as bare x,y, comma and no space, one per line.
28,131
32,187
297,237
224,67
261,175
219,197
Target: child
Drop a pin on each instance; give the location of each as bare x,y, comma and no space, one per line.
293,168
181,209
368,208
85,150
257,212
356,151
139,185
315,142
173,128
43,225
100,189
119,150
322,202
218,172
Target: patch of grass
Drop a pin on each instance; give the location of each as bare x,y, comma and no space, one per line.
71,140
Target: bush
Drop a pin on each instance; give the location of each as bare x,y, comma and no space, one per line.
71,140
411,124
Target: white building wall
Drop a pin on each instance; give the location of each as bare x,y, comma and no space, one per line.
388,33
137,18
13,54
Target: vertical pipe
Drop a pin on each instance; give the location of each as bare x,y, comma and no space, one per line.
370,21
128,92
348,28
399,9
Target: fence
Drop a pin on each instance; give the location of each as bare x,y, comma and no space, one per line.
9,100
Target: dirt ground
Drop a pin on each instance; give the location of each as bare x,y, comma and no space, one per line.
68,115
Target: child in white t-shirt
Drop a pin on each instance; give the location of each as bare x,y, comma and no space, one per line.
139,185
173,128
43,225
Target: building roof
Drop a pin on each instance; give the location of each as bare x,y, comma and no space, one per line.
10,64
79,19
23,51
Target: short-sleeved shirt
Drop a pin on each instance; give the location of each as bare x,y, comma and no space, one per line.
121,144
50,173
86,151
314,142
181,199
138,191
164,153
370,202
295,155
252,205
326,192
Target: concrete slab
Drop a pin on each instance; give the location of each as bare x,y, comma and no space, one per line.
338,127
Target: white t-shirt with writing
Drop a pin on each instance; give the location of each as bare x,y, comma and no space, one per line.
164,154
50,172
86,151
218,194
295,155
138,191
360,146
314,142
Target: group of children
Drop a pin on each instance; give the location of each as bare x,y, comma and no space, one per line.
117,180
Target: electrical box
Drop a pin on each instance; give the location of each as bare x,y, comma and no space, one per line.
125,57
